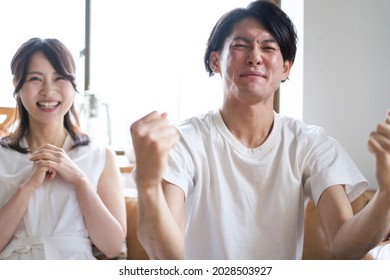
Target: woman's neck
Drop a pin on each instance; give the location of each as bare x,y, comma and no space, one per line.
41,135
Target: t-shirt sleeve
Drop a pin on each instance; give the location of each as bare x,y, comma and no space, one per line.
180,168
328,164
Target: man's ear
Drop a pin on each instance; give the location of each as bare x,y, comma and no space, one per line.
286,69
214,62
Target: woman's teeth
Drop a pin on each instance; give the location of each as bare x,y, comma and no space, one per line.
48,105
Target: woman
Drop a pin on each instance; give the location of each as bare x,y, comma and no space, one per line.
59,191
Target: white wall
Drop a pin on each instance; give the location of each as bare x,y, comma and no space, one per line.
346,71
291,91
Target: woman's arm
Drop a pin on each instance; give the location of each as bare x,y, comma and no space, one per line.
13,211
104,213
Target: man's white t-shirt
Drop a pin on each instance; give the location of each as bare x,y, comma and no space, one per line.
249,203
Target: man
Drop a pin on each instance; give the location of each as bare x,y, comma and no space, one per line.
379,145
232,184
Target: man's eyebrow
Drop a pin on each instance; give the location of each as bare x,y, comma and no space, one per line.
269,41
248,40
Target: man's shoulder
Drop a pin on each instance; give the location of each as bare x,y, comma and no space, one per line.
196,124
300,128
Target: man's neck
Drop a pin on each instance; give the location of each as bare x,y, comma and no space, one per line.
250,126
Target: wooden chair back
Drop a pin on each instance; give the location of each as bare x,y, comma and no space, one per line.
7,119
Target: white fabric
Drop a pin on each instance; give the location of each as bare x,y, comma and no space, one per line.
53,226
249,203
381,252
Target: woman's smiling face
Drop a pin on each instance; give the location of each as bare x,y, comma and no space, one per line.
46,95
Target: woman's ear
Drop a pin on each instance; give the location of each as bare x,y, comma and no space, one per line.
214,62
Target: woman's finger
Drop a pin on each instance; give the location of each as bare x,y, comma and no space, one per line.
51,174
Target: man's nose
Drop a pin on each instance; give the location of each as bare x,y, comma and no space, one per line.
254,57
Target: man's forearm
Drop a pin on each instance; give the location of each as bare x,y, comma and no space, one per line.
364,231
157,230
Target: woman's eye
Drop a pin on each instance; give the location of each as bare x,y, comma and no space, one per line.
32,79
